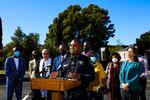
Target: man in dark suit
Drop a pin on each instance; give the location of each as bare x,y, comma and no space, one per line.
15,71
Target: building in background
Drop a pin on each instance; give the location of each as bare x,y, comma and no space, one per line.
123,54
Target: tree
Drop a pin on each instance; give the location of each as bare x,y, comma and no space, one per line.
1,34
91,23
27,43
143,42
30,43
18,38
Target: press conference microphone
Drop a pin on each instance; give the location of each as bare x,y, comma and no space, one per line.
45,70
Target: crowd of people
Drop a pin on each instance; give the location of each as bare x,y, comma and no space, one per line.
120,81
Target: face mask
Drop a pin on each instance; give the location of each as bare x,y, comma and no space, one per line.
93,59
16,54
63,52
35,56
114,60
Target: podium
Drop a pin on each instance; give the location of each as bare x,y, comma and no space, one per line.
56,86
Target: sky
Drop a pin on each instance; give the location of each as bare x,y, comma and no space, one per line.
131,18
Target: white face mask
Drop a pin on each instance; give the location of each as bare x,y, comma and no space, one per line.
114,60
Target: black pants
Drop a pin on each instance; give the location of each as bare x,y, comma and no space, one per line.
36,94
76,95
93,95
143,82
130,95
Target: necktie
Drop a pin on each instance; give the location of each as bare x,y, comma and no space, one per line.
62,59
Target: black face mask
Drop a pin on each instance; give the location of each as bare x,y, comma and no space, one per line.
86,49
35,56
63,52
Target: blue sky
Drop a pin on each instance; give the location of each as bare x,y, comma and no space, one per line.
130,17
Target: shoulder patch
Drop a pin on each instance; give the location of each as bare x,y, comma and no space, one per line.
81,62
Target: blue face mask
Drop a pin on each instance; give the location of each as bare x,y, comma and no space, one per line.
93,59
16,53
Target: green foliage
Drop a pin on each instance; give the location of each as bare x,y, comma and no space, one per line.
7,50
1,59
18,38
27,43
30,43
91,23
4,53
115,48
143,43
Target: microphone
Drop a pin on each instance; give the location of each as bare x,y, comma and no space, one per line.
45,70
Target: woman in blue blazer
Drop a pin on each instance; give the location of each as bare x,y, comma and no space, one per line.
129,76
